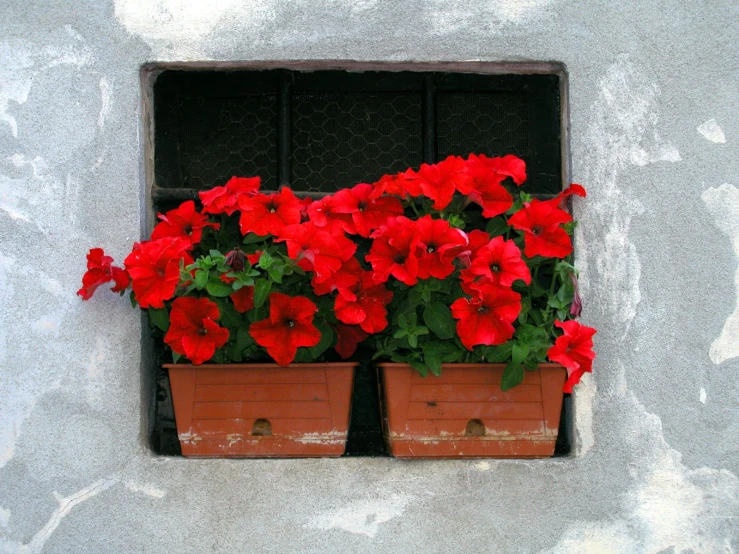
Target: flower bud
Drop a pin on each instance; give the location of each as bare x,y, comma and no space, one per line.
576,308
236,260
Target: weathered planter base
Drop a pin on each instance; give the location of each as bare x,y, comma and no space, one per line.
262,410
465,414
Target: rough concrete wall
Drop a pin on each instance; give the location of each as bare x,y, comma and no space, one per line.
654,97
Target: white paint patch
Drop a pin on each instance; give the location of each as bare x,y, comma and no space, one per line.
583,398
182,26
362,517
146,488
105,102
482,466
702,396
594,538
712,131
663,153
4,517
723,203
66,504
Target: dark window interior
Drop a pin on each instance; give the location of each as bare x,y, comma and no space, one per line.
324,130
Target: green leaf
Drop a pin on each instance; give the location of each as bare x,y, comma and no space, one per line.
498,354
234,352
229,316
261,291
251,238
432,359
519,353
159,317
243,338
175,357
327,339
132,298
419,367
438,317
497,227
218,288
201,279
265,260
512,376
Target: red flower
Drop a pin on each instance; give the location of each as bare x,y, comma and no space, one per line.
507,166
243,299
574,350
322,213
498,263
184,221
100,271
367,214
368,309
192,329
477,240
316,250
394,251
268,214
154,267
487,320
400,184
342,281
543,235
289,325
219,200
561,200
484,189
347,339
442,243
439,181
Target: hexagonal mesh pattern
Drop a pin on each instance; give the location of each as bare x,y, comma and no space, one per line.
341,139
490,123
223,137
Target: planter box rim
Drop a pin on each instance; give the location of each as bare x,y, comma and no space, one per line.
262,365
547,365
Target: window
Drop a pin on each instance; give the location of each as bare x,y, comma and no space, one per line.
318,131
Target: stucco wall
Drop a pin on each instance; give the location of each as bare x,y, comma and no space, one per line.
653,101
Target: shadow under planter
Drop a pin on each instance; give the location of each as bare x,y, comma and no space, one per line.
465,414
262,410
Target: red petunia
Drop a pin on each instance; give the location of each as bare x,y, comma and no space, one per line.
573,190
368,309
322,213
347,339
193,331
443,242
498,263
154,267
100,270
219,200
395,251
507,166
185,221
317,250
367,214
341,281
574,350
401,184
440,181
543,235
484,189
488,319
476,240
289,326
268,214
243,299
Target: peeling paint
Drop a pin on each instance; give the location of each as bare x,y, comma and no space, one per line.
712,131
146,488
362,517
702,396
723,203
106,96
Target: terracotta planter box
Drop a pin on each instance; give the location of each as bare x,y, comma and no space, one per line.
465,414
262,410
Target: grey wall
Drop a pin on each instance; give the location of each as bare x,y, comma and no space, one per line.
653,100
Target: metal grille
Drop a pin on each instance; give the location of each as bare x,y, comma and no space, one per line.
341,139
223,137
491,123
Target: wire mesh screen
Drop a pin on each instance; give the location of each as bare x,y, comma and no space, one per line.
489,123
223,137
341,139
